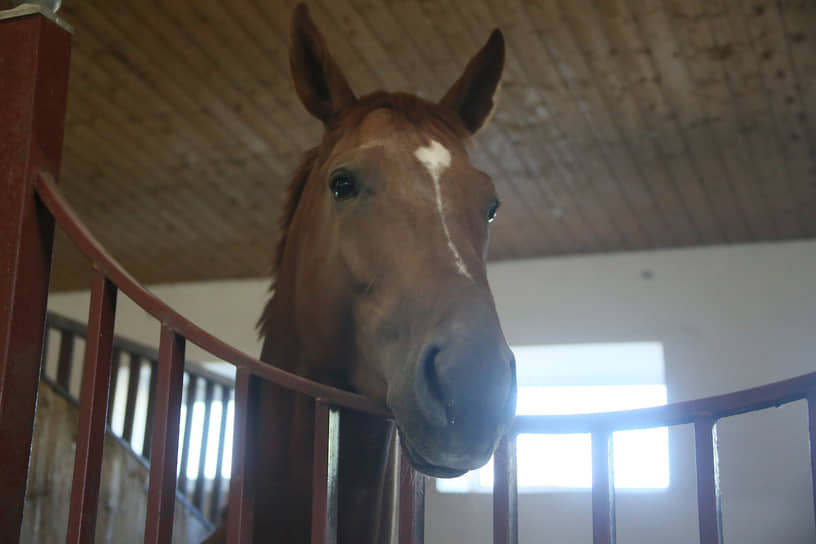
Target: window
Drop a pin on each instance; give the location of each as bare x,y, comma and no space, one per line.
584,378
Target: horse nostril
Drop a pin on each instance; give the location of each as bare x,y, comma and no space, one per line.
434,386
431,377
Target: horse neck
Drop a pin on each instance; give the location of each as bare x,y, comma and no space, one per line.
284,460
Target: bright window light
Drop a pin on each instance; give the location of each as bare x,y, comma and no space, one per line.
579,379
197,441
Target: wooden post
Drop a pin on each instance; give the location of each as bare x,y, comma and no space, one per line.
34,58
161,494
93,409
241,507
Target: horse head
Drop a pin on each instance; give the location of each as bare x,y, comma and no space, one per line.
382,265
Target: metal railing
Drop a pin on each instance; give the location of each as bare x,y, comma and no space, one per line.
32,106
108,277
133,372
35,51
703,414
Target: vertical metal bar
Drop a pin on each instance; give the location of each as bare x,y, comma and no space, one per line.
505,492
92,411
603,488
65,361
130,398
411,503
192,382
116,361
324,473
151,405
215,501
811,404
242,493
198,490
34,55
164,452
708,481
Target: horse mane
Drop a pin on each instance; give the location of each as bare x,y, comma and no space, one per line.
410,109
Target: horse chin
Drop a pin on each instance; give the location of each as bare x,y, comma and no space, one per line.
425,467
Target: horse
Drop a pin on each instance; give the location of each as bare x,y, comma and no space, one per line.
381,288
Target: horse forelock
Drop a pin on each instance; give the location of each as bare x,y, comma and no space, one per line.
410,109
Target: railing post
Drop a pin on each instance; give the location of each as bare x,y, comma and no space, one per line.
411,503
34,56
505,491
93,409
241,506
708,481
603,488
324,473
161,495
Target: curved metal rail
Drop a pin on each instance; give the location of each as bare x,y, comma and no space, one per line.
676,413
702,413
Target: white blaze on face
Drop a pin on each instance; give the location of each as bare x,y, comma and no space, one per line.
436,158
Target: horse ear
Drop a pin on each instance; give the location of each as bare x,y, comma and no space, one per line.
472,96
319,83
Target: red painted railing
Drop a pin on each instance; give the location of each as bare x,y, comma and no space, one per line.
34,55
129,361
702,413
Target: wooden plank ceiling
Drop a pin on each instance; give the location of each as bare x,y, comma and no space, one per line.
622,125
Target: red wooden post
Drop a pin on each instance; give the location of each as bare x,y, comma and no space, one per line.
708,481
505,492
411,503
93,410
603,488
324,473
161,495
34,57
240,509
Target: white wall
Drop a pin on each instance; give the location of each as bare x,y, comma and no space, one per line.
728,317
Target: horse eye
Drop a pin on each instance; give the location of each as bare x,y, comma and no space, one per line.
342,186
491,211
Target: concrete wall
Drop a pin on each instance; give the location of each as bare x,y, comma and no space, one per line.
728,317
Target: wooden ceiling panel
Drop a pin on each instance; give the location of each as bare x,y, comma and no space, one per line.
622,124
